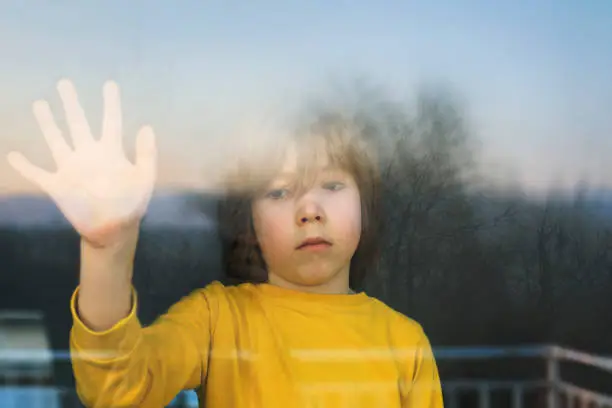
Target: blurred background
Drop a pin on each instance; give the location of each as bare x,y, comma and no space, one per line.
494,127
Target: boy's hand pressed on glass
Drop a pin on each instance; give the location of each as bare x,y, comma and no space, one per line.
101,193
95,186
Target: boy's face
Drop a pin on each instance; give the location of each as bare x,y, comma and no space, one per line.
327,214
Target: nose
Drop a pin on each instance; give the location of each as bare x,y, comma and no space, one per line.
310,212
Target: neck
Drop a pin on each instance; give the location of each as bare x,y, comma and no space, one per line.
338,284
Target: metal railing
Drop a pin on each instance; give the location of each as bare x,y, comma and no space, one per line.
559,393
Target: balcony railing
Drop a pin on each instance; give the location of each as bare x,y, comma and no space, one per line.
559,393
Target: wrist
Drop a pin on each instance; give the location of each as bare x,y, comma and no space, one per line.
120,249
112,239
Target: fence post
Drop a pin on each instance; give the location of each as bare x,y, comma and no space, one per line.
484,396
552,378
517,397
451,397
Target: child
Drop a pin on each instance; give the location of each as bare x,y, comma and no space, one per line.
289,333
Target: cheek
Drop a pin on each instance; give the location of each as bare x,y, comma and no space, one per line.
355,223
347,213
273,234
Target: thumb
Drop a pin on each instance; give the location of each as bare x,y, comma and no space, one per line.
146,151
30,172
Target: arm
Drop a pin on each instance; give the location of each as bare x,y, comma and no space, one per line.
104,196
421,385
131,366
143,367
105,281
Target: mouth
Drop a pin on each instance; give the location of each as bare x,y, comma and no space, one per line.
314,244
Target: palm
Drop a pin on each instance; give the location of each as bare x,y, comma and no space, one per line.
95,186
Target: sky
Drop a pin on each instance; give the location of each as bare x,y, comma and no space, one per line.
536,75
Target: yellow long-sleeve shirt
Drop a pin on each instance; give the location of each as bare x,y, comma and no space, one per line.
259,346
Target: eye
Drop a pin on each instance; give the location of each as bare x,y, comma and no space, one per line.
333,186
277,194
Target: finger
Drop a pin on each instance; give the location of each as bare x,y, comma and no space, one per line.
32,173
77,123
53,135
146,151
112,121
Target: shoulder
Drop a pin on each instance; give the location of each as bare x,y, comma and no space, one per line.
217,289
213,301
411,345
401,328
217,295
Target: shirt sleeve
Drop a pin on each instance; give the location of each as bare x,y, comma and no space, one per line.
421,386
130,365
